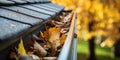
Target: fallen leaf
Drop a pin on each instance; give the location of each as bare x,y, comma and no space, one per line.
46,34
54,34
21,49
41,34
39,49
62,39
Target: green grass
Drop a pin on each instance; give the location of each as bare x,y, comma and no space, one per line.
101,53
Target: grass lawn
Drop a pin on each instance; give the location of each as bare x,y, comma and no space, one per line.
101,53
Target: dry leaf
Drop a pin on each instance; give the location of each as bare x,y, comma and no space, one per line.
64,30
47,46
46,34
54,34
41,34
62,39
13,55
21,49
35,57
39,49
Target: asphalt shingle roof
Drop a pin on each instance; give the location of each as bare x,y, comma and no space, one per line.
18,16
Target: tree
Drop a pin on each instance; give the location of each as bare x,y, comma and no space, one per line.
95,17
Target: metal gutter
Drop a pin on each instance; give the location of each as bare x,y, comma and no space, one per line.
68,49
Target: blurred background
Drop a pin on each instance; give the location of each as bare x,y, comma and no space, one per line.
98,28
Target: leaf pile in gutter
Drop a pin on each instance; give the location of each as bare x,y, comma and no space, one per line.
48,44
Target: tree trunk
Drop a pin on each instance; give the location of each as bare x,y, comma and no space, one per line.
91,43
116,49
92,49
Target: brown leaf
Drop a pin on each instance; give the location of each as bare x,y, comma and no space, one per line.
46,34
39,49
62,38
54,34
47,46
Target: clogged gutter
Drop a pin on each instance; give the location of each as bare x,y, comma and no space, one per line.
47,44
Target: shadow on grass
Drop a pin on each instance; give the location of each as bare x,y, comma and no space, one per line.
83,56
101,53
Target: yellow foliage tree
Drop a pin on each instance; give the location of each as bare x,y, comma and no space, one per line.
104,14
